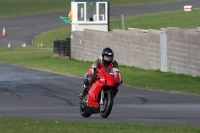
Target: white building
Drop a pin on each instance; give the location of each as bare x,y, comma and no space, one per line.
90,14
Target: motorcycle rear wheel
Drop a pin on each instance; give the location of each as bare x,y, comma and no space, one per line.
83,111
106,107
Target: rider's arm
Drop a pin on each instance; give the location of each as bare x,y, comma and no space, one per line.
115,64
96,64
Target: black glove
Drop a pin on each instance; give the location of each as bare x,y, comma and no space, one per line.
94,70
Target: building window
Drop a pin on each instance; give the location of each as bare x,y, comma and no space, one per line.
102,12
91,11
81,12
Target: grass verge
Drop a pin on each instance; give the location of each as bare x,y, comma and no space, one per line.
161,20
13,8
47,39
15,125
139,2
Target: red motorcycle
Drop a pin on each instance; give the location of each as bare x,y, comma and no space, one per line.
100,96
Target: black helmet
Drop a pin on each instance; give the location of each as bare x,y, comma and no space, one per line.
107,55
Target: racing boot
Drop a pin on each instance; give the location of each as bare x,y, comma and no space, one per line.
83,93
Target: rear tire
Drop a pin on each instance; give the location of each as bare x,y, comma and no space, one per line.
83,110
106,107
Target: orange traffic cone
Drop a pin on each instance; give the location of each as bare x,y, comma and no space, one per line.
4,31
8,44
24,44
38,45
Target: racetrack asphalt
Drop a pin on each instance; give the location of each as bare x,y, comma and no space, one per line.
31,93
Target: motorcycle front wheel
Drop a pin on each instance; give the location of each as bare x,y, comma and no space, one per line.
106,107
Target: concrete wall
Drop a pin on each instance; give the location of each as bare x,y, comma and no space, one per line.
131,48
142,49
184,51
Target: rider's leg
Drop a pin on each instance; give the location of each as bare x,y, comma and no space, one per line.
87,82
85,87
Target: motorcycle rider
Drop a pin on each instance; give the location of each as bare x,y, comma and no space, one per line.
105,60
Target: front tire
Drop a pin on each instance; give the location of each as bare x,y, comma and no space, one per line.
106,107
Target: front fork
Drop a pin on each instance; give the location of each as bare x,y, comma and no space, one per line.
102,96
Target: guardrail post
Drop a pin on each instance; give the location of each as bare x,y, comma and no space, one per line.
163,51
122,22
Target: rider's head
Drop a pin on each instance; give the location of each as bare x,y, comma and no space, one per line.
107,55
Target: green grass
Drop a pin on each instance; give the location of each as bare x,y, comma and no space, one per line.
47,39
161,20
15,125
14,8
42,59
139,2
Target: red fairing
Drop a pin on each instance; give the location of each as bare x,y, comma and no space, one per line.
93,94
90,71
108,77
